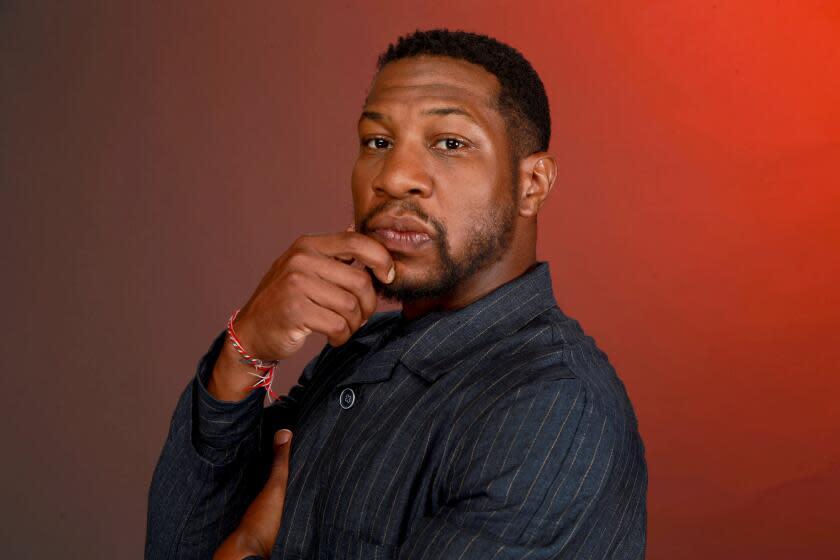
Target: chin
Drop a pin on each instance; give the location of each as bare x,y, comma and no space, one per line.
413,272
408,288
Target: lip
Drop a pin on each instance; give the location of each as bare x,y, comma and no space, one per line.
401,233
403,224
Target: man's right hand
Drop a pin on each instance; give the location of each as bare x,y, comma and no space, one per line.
312,287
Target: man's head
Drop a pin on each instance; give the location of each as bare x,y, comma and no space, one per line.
453,134
521,97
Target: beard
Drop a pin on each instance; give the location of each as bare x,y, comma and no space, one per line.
487,242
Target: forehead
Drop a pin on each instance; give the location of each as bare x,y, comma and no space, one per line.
421,80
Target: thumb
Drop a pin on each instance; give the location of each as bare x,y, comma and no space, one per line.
282,437
282,447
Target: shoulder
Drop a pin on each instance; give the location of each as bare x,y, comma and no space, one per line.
590,364
550,364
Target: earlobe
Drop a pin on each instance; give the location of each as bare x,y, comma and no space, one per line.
539,171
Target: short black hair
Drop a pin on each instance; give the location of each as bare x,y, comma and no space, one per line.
522,100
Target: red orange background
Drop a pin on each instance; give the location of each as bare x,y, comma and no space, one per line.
155,159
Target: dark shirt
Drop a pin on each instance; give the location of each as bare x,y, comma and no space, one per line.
495,431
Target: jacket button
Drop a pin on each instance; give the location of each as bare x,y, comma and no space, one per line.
347,398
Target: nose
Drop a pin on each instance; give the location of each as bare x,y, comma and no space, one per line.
403,174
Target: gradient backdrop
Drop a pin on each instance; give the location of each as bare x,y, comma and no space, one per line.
154,160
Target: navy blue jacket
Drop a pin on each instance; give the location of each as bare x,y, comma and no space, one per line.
496,431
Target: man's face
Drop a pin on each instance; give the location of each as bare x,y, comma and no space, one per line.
434,160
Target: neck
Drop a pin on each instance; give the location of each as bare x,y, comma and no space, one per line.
475,287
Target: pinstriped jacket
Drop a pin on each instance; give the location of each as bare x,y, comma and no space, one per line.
496,431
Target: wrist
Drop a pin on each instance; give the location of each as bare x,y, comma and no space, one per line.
239,545
249,336
231,380
254,354
237,372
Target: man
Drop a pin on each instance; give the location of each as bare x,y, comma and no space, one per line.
479,421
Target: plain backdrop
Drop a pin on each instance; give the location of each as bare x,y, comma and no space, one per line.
156,157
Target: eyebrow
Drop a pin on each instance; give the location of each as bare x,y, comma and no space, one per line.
449,111
372,115
437,111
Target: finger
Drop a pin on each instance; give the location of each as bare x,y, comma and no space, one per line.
336,298
282,437
350,244
354,280
275,486
261,521
325,321
280,464
351,227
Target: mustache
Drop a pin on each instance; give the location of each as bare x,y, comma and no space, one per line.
408,207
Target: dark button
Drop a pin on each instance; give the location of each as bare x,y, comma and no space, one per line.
347,398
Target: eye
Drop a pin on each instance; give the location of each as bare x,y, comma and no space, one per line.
451,144
376,143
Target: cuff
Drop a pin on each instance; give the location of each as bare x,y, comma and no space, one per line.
221,425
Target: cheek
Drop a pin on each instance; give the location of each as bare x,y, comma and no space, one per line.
476,216
461,219
462,200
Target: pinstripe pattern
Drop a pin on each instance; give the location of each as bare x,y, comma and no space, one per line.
496,431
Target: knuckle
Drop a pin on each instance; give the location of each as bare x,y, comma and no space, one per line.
361,281
352,238
296,279
296,259
381,257
338,327
369,303
349,303
360,244
304,241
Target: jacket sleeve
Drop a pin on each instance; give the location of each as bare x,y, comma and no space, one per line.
214,462
543,472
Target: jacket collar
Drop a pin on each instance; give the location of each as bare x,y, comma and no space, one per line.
437,342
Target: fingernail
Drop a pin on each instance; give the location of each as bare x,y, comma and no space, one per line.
391,274
282,437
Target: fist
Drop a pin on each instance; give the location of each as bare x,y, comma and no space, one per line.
314,287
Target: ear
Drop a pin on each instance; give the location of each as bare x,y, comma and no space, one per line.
537,173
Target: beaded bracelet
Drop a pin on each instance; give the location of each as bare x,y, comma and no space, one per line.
264,369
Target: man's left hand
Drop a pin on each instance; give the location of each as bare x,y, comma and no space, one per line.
258,529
